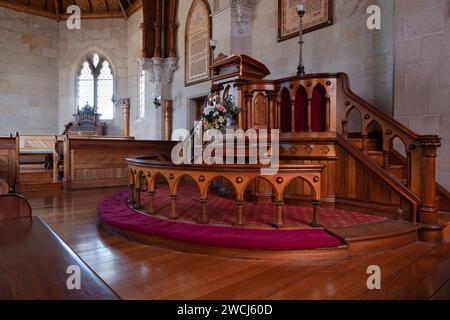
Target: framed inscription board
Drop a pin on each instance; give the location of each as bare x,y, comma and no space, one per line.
197,51
319,14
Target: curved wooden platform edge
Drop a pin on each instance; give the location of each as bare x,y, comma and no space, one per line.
317,254
403,235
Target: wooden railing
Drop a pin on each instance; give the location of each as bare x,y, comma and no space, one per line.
382,190
421,151
147,170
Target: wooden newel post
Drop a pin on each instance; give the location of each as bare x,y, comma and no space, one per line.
316,212
429,210
126,117
168,117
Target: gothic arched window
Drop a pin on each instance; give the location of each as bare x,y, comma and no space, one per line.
95,85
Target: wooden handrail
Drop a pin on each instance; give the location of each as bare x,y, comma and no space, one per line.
348,91
375,168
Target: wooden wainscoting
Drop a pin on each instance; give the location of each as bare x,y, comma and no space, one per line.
361,184
9,161
91,162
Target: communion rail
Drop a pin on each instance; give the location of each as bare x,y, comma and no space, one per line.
146,170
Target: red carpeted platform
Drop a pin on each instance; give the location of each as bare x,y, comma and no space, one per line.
114,212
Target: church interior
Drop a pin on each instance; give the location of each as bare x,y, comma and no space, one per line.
112,112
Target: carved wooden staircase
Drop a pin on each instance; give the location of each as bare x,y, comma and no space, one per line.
322,121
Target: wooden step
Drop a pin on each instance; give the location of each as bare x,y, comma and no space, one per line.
371,143
379,236
31,176
377,156
40,185
398,171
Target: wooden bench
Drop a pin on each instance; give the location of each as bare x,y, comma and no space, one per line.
13,206
9,160
38,146
100,162
35,263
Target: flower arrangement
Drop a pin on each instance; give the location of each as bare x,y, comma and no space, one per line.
219,113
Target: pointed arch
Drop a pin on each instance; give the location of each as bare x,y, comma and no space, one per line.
354,120
95,84
374,131
301,109
319,109
285,111
198,22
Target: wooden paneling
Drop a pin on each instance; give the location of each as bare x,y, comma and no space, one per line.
34,265
91,162
13,206
9,160
360,188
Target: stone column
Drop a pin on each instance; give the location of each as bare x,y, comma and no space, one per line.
160,72
126,117
233,27
168,119
429,210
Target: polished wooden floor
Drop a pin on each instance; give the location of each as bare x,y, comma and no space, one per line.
136,271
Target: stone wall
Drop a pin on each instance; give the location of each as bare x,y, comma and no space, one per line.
422,72
139,127
107,37
346,46
28,73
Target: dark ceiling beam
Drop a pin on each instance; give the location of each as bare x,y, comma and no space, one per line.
125,15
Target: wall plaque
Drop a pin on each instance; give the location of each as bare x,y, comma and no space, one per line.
198,34
319,14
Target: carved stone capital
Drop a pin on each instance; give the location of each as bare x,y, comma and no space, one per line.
160,70
242,13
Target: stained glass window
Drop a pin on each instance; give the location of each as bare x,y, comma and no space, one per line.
142,95
95,86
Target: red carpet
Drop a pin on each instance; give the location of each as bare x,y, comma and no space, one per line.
114,211
222,211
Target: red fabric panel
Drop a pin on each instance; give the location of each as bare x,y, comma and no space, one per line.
286,112
318,110
301,108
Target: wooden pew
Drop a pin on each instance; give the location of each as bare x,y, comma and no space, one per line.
9,161
13,206
100,162
35,262
4,187
38,146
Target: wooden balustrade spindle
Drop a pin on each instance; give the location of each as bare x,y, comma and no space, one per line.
364,144
386,160
151,202
239,213
173,210
137,196
279,214
204,211
345,129
316,212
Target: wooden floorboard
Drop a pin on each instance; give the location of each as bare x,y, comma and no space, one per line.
137,271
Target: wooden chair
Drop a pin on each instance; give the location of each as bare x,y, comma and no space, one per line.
4,187
14,206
